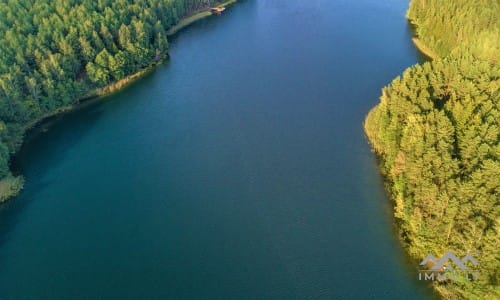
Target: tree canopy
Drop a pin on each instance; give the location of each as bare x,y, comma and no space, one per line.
436,130
54,52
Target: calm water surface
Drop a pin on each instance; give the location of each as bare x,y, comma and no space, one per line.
237,170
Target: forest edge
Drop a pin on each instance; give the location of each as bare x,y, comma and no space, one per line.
11,185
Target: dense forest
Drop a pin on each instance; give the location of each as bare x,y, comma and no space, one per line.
436,128
54,53
436,131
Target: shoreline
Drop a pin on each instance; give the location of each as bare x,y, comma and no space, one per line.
117,86
369,127
426,51
11,185
410,260
196,16
419,44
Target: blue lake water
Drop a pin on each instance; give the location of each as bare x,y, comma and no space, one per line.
237,170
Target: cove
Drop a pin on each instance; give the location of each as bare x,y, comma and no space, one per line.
237,170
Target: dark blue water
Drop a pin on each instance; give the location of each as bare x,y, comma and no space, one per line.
237,170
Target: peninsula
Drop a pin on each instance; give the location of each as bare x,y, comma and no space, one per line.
436,132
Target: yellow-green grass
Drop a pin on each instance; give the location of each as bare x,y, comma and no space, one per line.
198,15
424,49
10,186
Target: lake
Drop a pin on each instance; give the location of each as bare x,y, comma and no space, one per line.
237,170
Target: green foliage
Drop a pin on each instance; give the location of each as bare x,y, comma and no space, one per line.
437,131
10,186
53,52
447,26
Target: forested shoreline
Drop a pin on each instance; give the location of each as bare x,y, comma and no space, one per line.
55,53
436,131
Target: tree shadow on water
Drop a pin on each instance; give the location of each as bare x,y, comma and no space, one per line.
45,148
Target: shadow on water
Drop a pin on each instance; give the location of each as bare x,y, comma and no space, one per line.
50,131
47,144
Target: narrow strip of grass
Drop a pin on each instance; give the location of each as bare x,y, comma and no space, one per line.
198,15
120,84
10,186
188,21
424,49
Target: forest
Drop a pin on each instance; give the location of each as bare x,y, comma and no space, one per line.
54,53
436,128
436,132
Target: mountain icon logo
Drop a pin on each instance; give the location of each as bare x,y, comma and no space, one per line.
440,264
